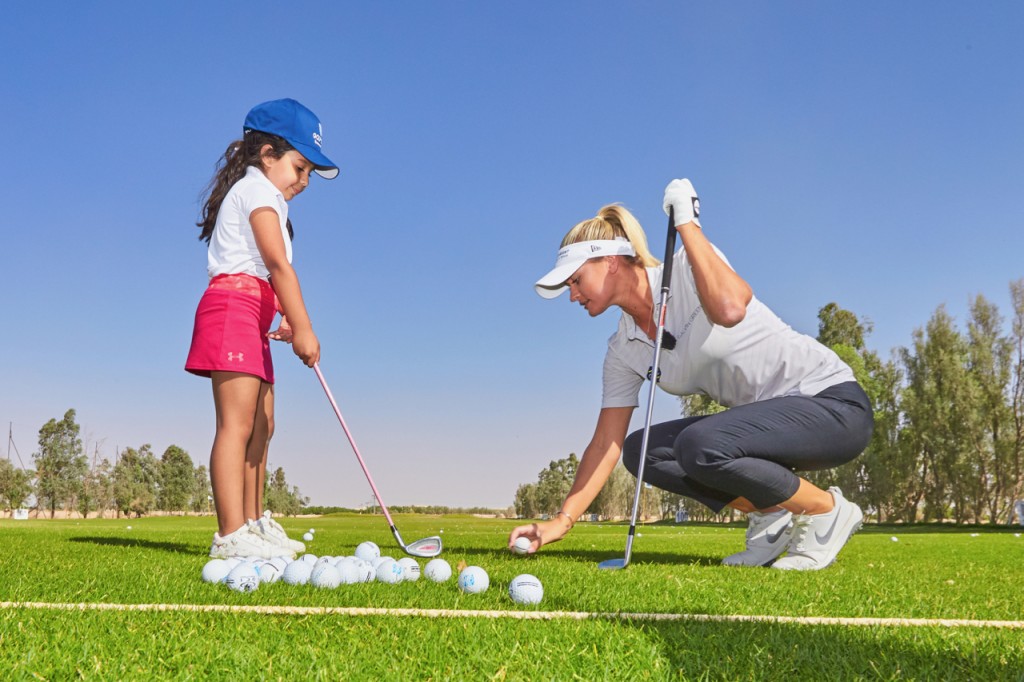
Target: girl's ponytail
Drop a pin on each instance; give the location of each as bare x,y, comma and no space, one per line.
231,168
614,221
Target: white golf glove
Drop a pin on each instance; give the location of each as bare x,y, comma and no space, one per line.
681,196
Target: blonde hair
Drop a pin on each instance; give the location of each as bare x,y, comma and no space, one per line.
614,221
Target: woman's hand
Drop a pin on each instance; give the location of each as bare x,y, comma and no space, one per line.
681,197
540,534
306,346
283,331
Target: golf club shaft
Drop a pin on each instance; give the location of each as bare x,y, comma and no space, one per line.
666,280
355,449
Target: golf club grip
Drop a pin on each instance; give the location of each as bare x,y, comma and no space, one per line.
352,442
670,248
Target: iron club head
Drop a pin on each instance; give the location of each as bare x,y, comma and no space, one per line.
424,547
612,564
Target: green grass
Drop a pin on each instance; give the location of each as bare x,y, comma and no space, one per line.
931,572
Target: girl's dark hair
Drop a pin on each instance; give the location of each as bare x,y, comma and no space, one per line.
239,155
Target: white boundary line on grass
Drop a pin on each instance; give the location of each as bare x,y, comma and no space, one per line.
519,615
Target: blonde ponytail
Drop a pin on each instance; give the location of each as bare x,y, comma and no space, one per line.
614,221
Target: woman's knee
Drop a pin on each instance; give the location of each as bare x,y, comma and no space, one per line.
631,451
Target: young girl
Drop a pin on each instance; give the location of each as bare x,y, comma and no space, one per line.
245,222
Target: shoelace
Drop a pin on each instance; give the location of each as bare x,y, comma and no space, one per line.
801,524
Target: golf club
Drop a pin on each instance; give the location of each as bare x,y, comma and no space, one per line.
666,277
424,547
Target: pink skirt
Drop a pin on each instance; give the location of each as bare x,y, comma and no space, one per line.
230,332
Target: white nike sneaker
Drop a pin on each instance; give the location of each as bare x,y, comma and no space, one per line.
272,531
767,538
245,544
816,540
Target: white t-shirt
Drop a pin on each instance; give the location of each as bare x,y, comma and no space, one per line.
233,247
761,357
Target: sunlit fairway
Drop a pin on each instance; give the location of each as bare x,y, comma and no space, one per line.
423,630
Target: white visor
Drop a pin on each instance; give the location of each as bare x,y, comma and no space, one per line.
571,257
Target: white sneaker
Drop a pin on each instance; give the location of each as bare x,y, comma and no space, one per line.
245,544
767,538
271,530
817,539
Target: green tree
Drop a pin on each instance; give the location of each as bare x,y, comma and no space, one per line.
97,490
136,481
177,480
279,498
553,483
841,327
15,485
202,493
526,501
60,463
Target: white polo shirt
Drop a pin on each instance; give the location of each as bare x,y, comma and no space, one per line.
761,357
233,247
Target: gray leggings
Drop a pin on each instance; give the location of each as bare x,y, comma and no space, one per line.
751,451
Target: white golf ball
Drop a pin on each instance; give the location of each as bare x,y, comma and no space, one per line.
309,558
410,569
526,589
366,571
349,571
381,559
438,570
473,580
243,578
388,571
216,570
325,575
521,545
367,551
280,562
312,530
307,537
269,572
297,573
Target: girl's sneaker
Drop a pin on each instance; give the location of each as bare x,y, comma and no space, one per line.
767,538
272,531
817,539
245,544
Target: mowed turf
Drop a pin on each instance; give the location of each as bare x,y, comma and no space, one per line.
927,573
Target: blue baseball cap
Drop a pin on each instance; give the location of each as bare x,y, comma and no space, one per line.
298,125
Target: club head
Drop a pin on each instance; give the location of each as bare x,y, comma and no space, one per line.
424,547
612,564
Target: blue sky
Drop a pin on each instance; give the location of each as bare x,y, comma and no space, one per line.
870,154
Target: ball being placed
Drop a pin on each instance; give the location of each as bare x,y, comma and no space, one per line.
526,589
410,569
243,578
473,580
521,545
368,551
438,570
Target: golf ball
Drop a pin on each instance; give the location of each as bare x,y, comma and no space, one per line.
243,578
381,559
268,571
367,551
366,571
216,570
309,558
297,573
349,571
325,575
307,537
438,570
473,580
521,545
526,589
389,571
410,569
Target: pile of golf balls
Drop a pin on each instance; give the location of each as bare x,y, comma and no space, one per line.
365,565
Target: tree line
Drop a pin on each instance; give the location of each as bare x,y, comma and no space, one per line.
136,484
948,444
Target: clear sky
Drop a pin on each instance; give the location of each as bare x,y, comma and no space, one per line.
867,153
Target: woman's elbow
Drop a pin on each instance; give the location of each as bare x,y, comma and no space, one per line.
730,312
